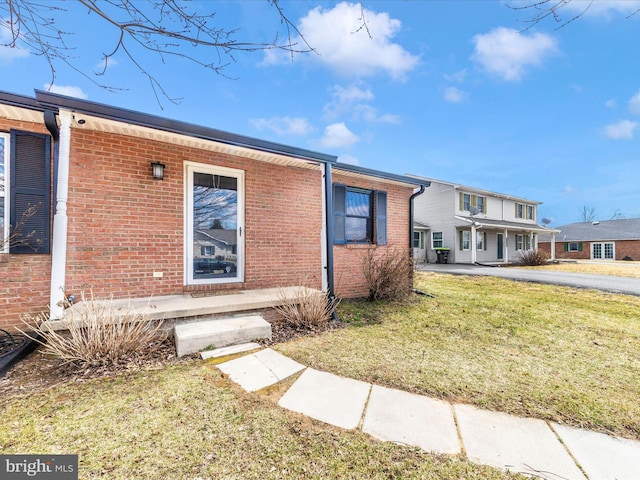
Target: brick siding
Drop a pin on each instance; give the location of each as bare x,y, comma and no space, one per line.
623,248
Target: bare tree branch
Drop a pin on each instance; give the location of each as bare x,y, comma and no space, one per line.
166,28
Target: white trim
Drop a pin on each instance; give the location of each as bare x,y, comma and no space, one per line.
324,240
60,219
189,168
6,194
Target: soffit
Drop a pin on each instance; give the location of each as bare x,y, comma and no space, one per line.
99,124
368,177
13,112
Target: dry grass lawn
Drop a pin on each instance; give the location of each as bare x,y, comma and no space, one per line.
620,269
556,353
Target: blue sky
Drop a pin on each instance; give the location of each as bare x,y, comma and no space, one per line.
455,90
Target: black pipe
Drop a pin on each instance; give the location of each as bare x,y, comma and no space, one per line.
414,195
328,196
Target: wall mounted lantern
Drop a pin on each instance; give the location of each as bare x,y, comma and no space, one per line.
157,170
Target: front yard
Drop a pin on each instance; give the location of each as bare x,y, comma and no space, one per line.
556,353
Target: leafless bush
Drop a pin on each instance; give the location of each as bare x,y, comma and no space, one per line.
98,334
308,309
388,274
531,258
17,235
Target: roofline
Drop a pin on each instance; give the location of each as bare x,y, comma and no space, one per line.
458,186
377,173
48,99
21,101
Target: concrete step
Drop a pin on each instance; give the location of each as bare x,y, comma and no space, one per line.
219,332
230,350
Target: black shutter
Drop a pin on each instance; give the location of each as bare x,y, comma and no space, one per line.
339,214
381,217
31,187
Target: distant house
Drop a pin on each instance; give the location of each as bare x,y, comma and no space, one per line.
603,240
471,225
134,205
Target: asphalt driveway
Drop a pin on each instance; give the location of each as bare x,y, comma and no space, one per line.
607,283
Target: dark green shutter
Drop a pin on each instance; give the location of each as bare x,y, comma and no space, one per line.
31,186
566,247
381,217
580,246
339,214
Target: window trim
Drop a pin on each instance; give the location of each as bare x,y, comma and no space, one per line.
434,240
519,241
467,241
419,239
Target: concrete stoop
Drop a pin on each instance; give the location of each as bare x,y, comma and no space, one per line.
219,332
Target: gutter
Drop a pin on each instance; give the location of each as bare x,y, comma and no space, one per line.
414,195
328,191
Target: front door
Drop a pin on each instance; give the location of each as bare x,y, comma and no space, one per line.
500,241
214,225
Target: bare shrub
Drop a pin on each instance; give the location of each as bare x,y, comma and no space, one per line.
17,234
532,258
389,275
307,309
98,334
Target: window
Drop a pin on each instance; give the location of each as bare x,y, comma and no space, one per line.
573,247
418,239
469,202
481,240
519,241
531,215
519,210
465,240
360,216
436,240
603,251
207,250
25,191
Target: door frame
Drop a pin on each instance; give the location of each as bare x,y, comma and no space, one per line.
189,169
500,245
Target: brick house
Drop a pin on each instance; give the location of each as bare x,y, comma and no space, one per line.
603,240
261,214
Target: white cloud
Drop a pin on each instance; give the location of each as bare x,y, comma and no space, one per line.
569,190
68,90
104,64
455,95
370,114
350,159
603,7
634,104
507,53
623,130
343,99
611,103
457,77
343,45
9,54
338,135
284,125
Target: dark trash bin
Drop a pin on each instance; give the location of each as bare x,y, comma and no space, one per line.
442,255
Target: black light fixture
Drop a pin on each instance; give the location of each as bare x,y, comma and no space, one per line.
157,170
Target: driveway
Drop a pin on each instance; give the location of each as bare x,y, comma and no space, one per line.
607,283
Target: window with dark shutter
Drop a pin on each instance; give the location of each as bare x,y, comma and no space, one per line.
339,209
30,187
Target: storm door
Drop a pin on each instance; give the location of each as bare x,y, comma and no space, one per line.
214,225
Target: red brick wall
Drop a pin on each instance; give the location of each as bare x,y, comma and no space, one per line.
123,225
348,276
623,248
24,279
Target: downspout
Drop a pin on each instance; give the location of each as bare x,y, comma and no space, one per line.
328,195
414,195
60,220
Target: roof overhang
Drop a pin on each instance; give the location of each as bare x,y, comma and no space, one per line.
499,224
361,172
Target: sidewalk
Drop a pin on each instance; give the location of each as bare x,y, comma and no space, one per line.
534,447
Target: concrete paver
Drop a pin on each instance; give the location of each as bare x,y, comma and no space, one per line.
230,350
523,445
401,417
261,369
326,397
601,456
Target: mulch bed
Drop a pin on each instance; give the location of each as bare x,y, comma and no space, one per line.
38,371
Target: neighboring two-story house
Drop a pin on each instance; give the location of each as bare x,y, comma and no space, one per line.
475,225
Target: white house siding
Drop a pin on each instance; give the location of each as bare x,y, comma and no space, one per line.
436,208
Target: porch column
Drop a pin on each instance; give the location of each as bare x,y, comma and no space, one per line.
60,220
531,245
553,247
506,245
474,244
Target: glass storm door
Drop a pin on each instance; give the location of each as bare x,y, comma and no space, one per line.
214,240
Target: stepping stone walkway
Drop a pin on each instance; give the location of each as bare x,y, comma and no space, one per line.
524,445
